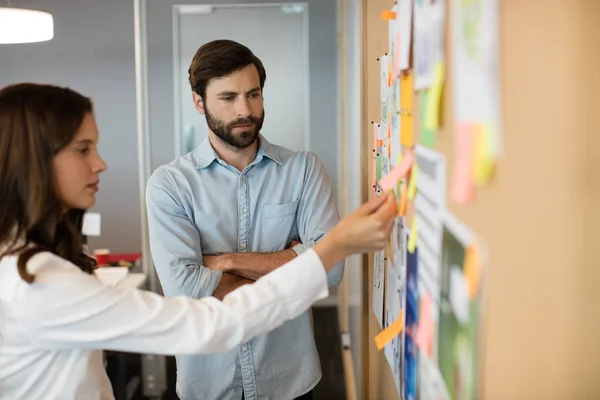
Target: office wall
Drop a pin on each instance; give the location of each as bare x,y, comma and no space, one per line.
323,78
93,52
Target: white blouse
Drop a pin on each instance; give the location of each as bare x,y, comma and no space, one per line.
51,331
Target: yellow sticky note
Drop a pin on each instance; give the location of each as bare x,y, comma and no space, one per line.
472,270
412,239
389,333
483,161
399,158
434,99
406,91
406,129
412,184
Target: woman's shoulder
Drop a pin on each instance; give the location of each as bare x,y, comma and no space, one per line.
46,261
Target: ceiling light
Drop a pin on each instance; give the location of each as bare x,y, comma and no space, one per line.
19,25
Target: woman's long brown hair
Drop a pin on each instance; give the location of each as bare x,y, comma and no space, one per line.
36,122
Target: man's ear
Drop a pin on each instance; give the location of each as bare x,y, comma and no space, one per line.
198,103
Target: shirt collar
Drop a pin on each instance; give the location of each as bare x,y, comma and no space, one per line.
205,154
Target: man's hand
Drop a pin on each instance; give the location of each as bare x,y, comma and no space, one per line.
294,243
228,283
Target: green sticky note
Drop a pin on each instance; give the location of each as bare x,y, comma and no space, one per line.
428,137
379,168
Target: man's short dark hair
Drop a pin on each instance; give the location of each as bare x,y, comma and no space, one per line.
220,58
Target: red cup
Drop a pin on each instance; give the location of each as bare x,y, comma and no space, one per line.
101,256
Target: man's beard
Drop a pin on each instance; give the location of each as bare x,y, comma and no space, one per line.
224,131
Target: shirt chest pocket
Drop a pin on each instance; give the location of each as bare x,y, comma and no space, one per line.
277,226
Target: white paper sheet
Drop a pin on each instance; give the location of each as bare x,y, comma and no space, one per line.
399,30
431,385
476,75
378,285
393,306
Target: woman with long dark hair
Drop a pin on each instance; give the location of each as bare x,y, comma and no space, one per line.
55,315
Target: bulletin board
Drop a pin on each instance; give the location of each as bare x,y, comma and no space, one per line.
539,212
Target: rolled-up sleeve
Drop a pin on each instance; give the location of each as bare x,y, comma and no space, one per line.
317,212
175,242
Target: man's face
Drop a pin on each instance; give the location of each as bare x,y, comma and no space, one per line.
234,107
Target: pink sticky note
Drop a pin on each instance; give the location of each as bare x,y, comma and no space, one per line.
399,171
463,186
397,55
424,337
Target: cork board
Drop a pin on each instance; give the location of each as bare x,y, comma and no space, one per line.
540,214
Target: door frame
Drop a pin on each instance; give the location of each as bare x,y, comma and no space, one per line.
179,10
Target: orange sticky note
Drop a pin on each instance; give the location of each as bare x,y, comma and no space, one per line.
463,186
425,330
386,15
398,172
406,91
389,333
406,129
389,73
472,270
403,198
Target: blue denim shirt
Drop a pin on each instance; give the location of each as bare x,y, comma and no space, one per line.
199,204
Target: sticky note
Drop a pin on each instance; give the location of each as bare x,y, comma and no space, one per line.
406,91
463,187
398,172
389,74
427,136
387,15
398,158
406,129
412,184
412,239
434,101
389,135
483,162
472,270
389,333
424,339
403,199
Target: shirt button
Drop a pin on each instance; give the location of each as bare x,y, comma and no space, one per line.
244,210
243,245
245,348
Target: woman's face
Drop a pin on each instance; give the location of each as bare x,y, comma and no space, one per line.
77,167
